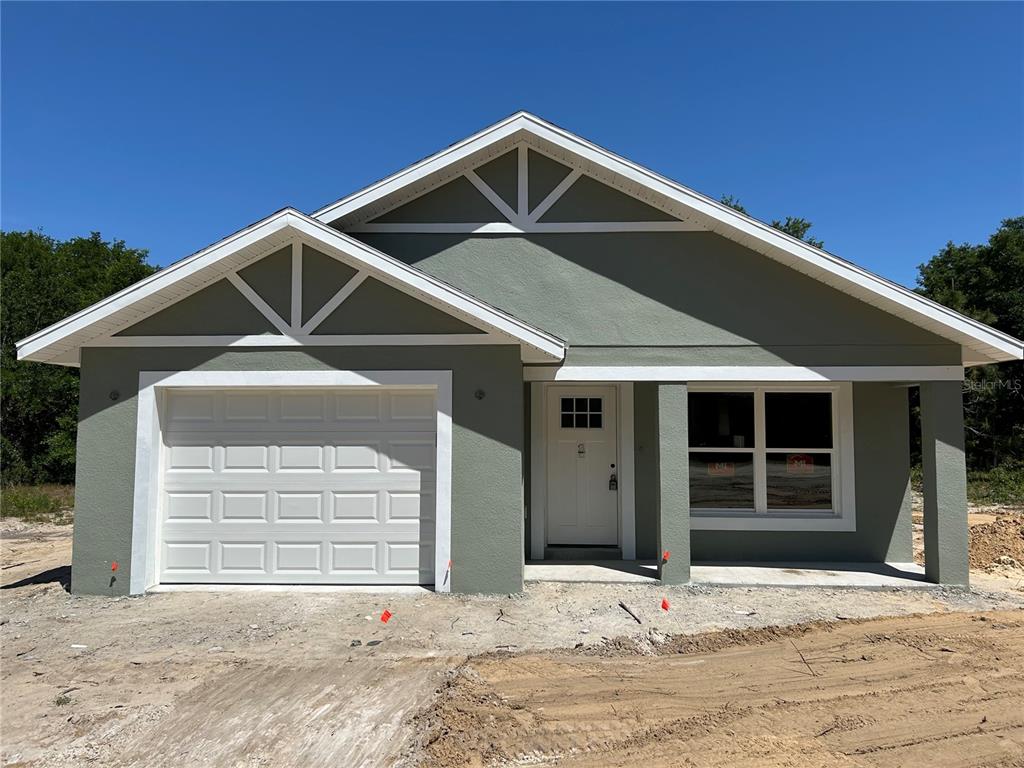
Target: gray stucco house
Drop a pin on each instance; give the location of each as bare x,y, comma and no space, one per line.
522,347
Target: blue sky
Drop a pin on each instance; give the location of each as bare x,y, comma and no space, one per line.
893,127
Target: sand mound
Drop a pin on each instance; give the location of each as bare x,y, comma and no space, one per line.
993,542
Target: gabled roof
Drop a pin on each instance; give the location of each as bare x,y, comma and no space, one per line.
60,342
981,343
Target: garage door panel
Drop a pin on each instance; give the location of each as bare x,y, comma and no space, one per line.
358,409
300,458
358,456
190,457
246,408
189,506
245,507
407,408
300,507
301,407
355,506
244,557
246,458
409,455
354,558
189,409
188,557
298,557
311,487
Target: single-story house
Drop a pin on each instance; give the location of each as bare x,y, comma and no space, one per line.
523,347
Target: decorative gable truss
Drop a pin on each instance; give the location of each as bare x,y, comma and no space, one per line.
522,190
274,286
288,281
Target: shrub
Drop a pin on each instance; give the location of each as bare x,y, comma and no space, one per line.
38,503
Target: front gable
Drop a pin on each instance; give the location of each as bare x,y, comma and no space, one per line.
334,299
288,281
542,180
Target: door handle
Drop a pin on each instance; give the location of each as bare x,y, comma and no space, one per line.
581,449
613,482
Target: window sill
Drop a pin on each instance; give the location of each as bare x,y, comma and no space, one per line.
725,520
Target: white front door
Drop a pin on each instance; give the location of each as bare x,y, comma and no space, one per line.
582,494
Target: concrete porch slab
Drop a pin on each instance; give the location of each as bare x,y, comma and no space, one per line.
833,575
598,571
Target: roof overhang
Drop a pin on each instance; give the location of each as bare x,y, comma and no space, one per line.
61,342
981,344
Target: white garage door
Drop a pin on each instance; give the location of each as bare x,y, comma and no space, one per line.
298,486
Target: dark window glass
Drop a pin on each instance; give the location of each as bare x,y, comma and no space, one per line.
721,419
798,419
722,480
799,481
581,412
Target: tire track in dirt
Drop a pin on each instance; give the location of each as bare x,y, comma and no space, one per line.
942,690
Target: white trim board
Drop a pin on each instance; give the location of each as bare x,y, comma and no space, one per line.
325,340
986,344
753,373
502,228
113,314
153,384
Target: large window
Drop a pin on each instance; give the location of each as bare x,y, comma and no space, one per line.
768,454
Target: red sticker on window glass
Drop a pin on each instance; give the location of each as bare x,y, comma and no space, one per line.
799,463
721,468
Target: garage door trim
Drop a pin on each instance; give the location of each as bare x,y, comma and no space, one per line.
152,389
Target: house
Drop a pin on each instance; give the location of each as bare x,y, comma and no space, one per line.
522,347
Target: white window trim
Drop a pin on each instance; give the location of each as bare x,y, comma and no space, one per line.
149,439
843,516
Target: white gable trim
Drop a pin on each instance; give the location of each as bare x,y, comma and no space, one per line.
103,319
982,343
498,227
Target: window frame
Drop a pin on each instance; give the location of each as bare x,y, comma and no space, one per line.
842,515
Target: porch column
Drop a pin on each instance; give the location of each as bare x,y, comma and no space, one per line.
673,484
945,483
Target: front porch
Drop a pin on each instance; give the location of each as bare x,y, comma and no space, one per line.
789,484
750,574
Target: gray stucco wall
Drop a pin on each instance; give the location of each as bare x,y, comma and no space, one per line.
487,448
944,476
882,468
682,298
218,309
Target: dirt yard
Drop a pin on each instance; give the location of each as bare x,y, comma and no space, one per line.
313,678
945,689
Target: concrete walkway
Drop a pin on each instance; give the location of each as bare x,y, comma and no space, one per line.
860,575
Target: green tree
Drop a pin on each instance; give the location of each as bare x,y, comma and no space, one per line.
794,226
986,282
43,280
